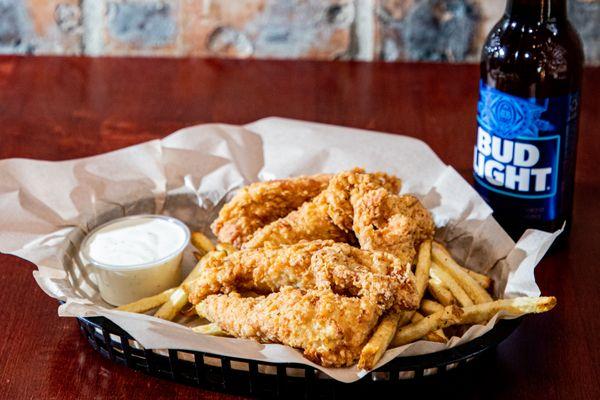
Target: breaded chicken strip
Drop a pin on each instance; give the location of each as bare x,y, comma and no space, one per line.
337,267
396,224
377,275
347,187
328,215
309,222
261,203
331,329
261,270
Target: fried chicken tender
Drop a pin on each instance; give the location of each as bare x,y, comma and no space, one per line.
261,203
391,223
379,276
331,329
262,270
347,187
309,222
336,267
328,215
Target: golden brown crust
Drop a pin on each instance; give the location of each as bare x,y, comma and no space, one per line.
379,276
338,267
347,187
262,270
414,209
319,293
328,215
392,223
309,222
261,203
331,329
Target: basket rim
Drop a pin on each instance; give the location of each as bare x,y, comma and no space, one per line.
457,354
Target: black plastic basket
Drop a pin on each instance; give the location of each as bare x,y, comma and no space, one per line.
248,377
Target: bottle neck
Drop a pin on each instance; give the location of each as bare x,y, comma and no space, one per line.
537,10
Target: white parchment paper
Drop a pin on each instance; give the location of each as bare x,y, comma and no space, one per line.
46,209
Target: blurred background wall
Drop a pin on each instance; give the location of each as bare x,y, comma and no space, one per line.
429,30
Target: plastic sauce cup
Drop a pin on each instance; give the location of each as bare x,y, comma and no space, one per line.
135,257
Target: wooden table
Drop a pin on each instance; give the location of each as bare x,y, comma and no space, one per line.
61,108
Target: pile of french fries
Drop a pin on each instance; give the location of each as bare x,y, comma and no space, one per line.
449,295
455,296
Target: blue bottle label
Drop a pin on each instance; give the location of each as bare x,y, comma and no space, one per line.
520,144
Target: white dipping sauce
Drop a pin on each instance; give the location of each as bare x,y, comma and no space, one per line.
131,242
136,256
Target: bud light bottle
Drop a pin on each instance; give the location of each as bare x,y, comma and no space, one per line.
527,114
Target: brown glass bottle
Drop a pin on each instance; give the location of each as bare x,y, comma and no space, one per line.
524,163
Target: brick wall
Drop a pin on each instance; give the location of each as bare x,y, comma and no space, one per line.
437,30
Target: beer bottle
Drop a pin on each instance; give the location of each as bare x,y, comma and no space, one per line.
527,114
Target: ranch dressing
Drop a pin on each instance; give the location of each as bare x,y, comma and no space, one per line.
135,257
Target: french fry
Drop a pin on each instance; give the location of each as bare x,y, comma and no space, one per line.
483,280
210,329
430,307
383,335
147,303
404,318
453,286
379,342
439,292
421,275
482,313
198,256
176,302
470,286
423,266
178,299
226,247
431,323
435,336
201,242
475,314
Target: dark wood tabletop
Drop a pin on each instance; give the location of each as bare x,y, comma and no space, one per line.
62,108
